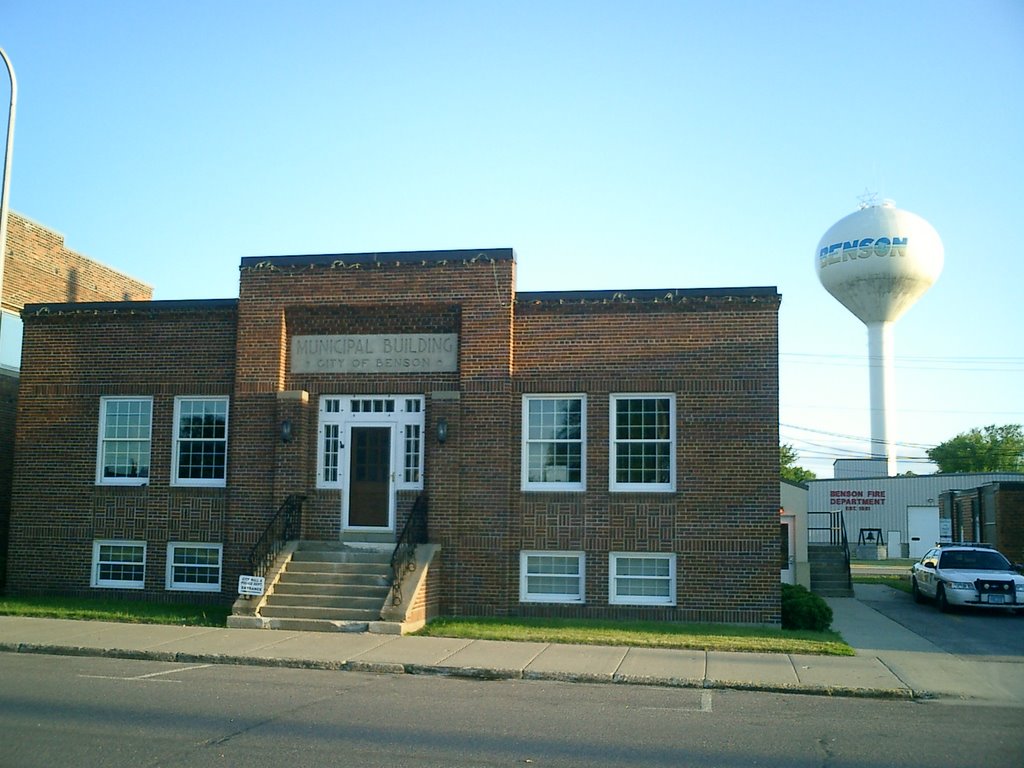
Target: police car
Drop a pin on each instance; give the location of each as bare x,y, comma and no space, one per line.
967,574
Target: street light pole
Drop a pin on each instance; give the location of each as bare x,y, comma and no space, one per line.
5,187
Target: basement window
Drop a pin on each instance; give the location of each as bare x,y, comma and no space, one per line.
194,567
119,564
641,579
551,577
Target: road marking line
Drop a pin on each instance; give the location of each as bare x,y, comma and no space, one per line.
705,705
705,701
172,671
150,676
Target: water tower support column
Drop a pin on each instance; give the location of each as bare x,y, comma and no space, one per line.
880,366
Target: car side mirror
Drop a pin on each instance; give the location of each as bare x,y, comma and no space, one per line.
930,563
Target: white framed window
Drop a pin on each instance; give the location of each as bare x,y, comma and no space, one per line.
118,564
636,578
338,411
551,577
330,452
12,330
125,439
411,458
642,450
194,567
200,441
554,454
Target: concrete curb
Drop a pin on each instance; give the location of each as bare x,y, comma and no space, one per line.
476,673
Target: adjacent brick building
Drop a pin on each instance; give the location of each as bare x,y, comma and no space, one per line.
609,453
992,513
38,267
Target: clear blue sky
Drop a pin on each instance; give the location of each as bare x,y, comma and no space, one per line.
613,145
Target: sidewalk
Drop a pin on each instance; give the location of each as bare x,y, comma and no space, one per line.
891,662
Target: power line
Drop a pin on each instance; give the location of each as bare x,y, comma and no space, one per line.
921,358
803,406
858,438
947,364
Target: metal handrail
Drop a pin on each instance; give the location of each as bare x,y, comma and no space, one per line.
403,558
836,536
285,526
845,544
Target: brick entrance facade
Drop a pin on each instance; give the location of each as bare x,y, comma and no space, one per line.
607,454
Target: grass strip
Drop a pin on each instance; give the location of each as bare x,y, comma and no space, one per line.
900,562
642,634
129,611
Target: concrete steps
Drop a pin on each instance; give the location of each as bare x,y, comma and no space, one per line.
830,576
331,587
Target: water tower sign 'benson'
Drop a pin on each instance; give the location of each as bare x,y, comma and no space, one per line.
877,262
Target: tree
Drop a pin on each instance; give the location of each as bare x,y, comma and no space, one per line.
988,449
788,469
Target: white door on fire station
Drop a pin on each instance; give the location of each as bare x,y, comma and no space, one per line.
923,527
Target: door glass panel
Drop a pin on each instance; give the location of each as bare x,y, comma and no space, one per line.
784,549
370,477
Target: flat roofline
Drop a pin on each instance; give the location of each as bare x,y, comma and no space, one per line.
647,294
933,475
167,305
392,257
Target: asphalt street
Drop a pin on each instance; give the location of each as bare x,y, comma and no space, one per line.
99,713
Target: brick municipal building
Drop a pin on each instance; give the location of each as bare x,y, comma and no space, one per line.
387,437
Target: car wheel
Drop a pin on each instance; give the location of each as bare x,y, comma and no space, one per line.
918,597
940,599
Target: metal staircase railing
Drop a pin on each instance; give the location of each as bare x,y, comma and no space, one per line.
285,526
403,559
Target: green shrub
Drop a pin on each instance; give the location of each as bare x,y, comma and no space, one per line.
804,610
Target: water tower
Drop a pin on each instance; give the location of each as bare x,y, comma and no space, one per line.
877,262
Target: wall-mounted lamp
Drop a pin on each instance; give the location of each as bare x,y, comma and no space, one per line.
442,430
286,431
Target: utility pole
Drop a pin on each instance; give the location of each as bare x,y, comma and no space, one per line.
5,187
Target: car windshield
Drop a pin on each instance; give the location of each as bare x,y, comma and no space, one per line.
968,560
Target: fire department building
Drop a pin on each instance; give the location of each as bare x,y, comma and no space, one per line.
588,453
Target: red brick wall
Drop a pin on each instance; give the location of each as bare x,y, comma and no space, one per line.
718,356
39,268
1008,499
8,404
471,472
72,357
965,504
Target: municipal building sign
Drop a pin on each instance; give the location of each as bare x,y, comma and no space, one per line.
376,353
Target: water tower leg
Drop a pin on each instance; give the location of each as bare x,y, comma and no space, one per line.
880,366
